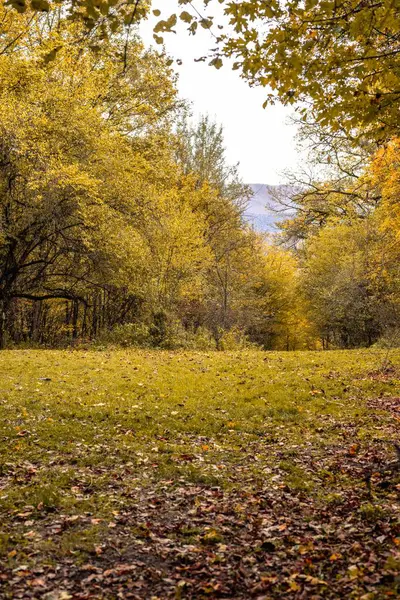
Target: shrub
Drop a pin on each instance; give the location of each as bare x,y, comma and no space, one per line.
235,339
129,334
390,339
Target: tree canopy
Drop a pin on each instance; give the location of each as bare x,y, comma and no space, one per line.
115,209
338,60
121,219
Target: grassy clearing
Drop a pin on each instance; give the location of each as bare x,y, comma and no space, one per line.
157,474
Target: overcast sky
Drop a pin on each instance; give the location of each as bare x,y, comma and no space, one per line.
260,139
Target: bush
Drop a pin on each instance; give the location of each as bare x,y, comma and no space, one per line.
169,334
178,337
235,339
390,339
163,333
129,334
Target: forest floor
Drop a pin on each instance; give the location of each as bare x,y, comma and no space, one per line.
157,475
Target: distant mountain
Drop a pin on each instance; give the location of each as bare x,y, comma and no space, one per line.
263,211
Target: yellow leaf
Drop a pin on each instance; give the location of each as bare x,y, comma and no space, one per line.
294,586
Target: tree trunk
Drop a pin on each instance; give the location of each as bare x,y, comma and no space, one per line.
3,317
75,315
36,318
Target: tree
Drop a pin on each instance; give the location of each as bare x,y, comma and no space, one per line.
101,18
103,221
277,305
116,211
320,203
383,175
338,59
221,201
350,281
73,186
328,185
201,151
179,254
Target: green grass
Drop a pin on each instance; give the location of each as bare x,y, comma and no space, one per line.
84,434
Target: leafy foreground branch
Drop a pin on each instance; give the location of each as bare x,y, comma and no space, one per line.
193,475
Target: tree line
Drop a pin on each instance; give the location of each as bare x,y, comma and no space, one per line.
121,221
118,217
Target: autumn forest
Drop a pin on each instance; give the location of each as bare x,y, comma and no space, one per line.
189,407
122,222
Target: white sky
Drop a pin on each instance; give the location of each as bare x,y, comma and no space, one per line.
260,139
